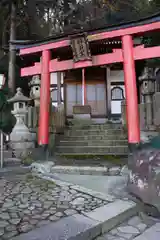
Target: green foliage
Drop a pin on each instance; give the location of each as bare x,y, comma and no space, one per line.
27,159
37,19
117,160
153,62
7,120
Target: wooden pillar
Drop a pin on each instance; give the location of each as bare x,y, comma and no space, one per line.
84,99
43,131
108,85
131,91
59,88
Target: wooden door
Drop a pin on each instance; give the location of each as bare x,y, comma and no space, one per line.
73,97
96,98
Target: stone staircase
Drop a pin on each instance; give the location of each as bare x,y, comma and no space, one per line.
93,139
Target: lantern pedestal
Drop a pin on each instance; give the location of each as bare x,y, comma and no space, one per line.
147,81
35,90
21,140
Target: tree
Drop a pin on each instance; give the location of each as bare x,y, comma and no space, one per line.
12,51
36,19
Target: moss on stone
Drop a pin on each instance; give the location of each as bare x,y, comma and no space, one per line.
27,158
39,182
27,161
117,160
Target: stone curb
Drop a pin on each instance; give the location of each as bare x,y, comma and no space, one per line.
84,227
99,195
87,170
50,167
113,214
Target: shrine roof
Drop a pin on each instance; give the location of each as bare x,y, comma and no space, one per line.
22,44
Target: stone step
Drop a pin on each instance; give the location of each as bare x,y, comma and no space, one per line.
135,228
88,170
85,158
9,159
93,137
93,143
112,150
12,161
7,154
78,132
93,160
96,126
153,233
13,171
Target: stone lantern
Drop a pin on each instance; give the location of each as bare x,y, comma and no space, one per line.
20,137
147,82
35,90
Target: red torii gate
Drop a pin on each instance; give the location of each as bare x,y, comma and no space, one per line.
128,54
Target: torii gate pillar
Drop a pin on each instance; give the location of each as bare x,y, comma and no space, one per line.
133,125
43,131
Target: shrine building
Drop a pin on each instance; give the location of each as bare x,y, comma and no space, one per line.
95,69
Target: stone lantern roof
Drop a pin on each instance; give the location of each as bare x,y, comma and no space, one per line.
18,97
148,74
35,81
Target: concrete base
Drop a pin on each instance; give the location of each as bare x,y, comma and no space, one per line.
93,120
99,120
81,112
82,116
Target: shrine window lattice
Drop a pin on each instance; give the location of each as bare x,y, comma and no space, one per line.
117,94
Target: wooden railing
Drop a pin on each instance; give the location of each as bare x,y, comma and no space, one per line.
56,123
59,119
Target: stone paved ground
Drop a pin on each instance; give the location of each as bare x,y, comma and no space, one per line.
27,202
134,227
113,184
